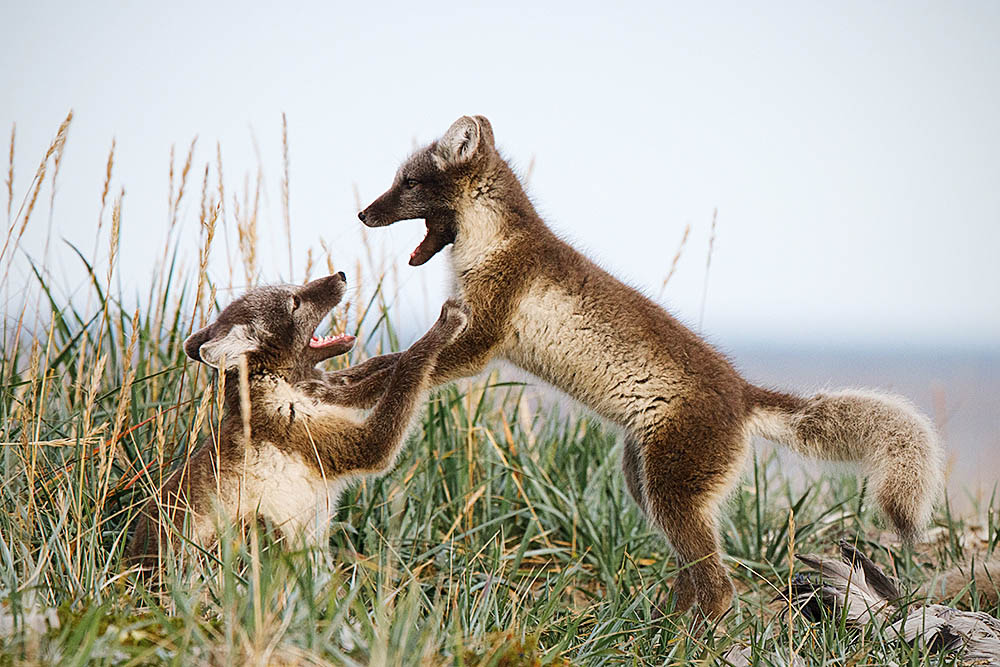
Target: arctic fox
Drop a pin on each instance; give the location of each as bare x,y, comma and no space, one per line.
687,414
308,436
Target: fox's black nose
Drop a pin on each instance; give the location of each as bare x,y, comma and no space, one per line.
361,216
342,276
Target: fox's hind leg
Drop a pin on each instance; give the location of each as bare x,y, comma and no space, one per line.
635,478
688,469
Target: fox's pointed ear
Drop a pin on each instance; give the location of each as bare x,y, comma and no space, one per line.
485,131
459,143
194,342
221,350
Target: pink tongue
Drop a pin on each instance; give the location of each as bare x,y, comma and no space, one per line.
423,252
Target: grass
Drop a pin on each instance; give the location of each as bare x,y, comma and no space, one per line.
504,536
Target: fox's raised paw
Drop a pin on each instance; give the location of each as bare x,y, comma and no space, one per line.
454,317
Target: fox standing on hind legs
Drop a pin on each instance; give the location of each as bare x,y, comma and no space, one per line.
686,413
308,438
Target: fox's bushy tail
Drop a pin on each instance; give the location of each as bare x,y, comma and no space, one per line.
896,446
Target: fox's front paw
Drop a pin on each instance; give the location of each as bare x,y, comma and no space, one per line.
454,318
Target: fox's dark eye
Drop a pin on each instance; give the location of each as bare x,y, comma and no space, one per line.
411,183
296,302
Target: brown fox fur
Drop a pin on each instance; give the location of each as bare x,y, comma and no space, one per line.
687,415
308,434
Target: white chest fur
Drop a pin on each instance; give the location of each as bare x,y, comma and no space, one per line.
478,236
289,492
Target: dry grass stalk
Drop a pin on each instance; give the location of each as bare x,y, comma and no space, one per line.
205,201
57,143
58,442
160,438
107,186
309,266
170,177
246,228
173,207
57,157
366,242
791,570
341,311
107,454
175,204
28,417
93,436
90,401
222,212
245,414
44,380
328,255
81,358
10,172
108,171
284,194
677,258
220,401
199,419
209,218
708,267
13,343
113,246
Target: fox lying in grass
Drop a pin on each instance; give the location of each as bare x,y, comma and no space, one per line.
307,434
687,415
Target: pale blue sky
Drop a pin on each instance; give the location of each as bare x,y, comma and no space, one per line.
852,148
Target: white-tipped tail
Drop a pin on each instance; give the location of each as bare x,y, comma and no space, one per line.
896,446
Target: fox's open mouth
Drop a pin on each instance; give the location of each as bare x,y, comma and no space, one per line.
437,237
322,342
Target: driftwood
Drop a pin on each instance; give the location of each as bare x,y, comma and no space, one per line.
856,587
742,656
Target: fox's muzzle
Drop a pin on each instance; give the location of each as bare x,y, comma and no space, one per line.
371,218
325,291
383,211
